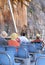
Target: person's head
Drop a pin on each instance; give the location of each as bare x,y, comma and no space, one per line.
14,36
4,34
23,34
37,36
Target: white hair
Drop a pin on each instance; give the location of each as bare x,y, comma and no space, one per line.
4,34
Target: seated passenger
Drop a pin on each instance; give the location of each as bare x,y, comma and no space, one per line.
23,38
13,41
3,41
37,40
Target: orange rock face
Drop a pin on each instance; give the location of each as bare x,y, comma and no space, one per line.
20,15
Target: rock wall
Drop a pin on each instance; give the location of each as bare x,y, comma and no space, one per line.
20,15
36,17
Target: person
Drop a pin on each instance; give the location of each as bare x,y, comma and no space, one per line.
13,41
3,41
23,38
39,44
38,40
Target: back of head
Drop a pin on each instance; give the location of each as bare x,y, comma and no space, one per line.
38,36
4,34
23,34
14,36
